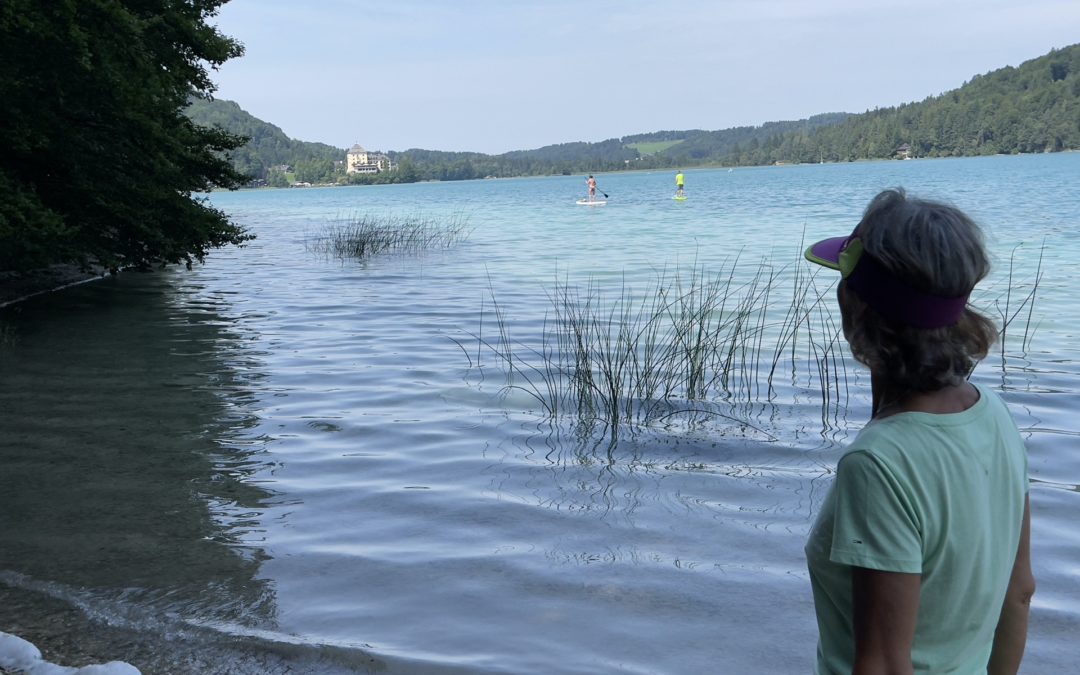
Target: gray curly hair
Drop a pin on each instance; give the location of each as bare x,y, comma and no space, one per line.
937,249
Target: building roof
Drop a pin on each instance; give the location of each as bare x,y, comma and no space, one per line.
356,148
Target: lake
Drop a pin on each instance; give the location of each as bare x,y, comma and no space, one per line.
282,461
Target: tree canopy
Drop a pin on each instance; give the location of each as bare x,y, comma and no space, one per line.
98,163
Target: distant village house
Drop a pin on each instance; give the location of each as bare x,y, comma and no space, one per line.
359,160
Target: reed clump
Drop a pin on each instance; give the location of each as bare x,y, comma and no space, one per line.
689,344
366,235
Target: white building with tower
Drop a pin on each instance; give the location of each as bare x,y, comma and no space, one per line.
359,160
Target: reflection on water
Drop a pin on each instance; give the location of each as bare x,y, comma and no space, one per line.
127,451
667,474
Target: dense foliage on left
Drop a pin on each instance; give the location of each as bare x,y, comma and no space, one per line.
98,164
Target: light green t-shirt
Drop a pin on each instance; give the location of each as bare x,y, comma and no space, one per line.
936,495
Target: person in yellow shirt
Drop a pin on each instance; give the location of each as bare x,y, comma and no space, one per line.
680,184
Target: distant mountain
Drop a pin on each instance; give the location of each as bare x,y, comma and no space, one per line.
659,149
268,147
1031,108
565,158
697,147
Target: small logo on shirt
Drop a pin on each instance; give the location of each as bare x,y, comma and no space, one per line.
856,541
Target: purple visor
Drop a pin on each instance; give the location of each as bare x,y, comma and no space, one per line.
889,296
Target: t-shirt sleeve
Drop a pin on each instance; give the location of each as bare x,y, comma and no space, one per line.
874,523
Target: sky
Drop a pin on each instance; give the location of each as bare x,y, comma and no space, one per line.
494,76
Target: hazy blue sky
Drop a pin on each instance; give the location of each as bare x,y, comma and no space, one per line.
517,74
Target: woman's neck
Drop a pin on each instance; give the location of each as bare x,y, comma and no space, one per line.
888,399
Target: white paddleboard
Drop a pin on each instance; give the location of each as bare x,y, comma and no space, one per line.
595,202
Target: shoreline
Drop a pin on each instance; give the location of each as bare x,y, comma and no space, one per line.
16,287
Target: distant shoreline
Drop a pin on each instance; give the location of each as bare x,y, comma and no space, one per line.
864,160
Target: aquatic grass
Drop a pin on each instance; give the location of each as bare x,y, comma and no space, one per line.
690,343
1008,312
362,236
826,350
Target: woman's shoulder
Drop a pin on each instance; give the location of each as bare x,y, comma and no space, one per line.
904,436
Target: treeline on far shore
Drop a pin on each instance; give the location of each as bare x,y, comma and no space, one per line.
1030,108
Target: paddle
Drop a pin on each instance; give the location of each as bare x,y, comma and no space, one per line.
602,192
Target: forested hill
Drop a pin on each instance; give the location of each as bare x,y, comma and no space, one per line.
1031,108
659,149
267,147
697,147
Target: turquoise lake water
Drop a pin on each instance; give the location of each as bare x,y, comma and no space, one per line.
280,461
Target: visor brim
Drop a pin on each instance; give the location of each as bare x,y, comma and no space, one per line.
827,252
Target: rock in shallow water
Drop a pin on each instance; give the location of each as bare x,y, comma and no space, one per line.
17,656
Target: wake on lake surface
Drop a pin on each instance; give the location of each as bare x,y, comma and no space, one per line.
283,461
